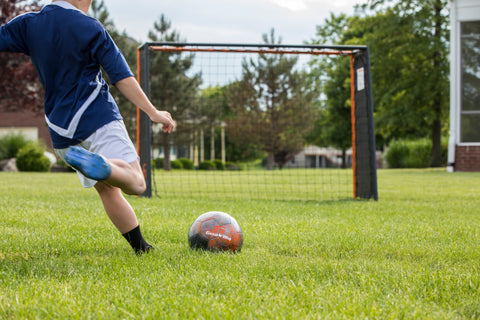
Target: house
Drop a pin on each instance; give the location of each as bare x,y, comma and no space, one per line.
464,143
32,125
317,157
320,157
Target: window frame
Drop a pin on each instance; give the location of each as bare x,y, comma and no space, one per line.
461,112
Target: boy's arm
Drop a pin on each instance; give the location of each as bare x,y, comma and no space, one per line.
130,88
11,36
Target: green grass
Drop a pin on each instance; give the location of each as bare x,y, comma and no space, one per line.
414,254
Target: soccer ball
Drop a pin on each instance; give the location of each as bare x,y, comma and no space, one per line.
215,231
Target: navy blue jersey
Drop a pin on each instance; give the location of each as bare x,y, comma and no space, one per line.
67,48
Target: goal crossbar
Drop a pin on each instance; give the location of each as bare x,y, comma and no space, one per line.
261,51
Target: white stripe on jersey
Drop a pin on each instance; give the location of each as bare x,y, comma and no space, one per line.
72,127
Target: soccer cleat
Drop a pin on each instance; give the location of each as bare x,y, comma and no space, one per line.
147,249
91,165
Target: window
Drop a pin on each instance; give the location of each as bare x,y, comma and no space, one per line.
470,85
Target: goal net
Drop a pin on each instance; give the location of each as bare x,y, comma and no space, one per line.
252,123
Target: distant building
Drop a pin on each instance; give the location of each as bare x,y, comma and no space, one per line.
31,125
319,157
464,143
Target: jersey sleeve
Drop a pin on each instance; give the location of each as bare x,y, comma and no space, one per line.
12,36
109,56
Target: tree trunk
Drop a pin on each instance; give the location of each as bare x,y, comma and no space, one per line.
212,144
270,161
437,123
437,143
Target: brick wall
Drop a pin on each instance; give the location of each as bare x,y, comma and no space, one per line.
467,158
27,119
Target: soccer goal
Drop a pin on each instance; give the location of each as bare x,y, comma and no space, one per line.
249,123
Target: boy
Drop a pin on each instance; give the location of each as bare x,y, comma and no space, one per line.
67,48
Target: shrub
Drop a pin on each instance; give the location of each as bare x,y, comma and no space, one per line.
10,144
407,153
31,158
157,163
412,153
231,166
187,163
207,165
420,154
176,164
219,165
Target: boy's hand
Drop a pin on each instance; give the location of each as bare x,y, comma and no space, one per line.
131,89
165,118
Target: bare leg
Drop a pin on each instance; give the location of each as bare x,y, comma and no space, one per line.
117,207
118,173
114,176
122,215
126,176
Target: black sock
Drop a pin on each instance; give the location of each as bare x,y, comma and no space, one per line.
136,240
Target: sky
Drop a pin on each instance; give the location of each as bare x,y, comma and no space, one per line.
227,21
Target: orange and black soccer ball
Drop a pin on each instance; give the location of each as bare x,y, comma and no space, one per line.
215,231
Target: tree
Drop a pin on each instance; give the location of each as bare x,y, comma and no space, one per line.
171,88
273,106
427,50
212,102
408,43
333,125
19,83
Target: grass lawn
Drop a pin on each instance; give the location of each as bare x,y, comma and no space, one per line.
414,254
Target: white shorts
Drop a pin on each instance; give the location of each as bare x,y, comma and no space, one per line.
112,142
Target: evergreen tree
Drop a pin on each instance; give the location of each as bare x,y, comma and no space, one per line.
172,89
273,106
